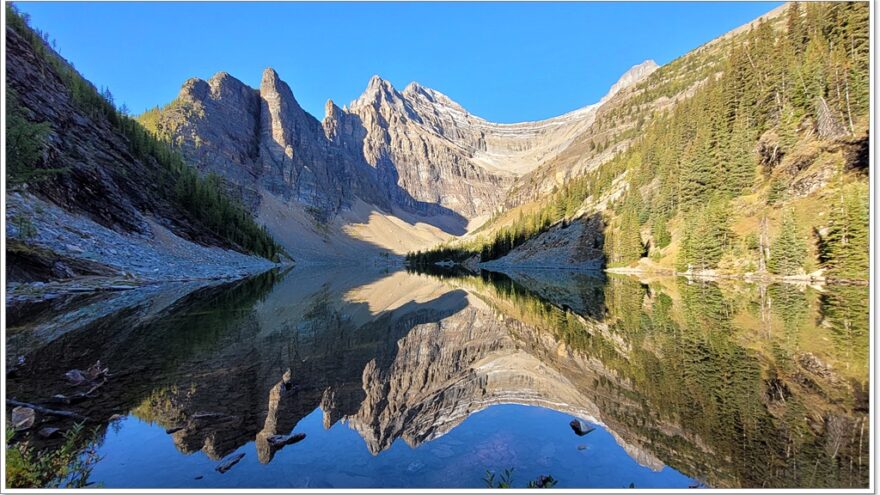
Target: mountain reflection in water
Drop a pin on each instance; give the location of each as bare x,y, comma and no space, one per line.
727,385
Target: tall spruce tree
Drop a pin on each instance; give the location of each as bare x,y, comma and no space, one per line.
707,237
845,248
788,251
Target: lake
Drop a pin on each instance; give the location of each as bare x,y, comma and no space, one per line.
404,379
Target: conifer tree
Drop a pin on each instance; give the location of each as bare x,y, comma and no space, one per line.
788,251
845,248
707,237
25,141
660,232
740,170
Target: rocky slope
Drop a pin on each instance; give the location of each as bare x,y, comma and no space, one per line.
576,245
105,212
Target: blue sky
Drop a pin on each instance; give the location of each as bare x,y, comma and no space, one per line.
506,62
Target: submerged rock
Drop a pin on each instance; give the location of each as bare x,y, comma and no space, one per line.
91,374
278,441
543,481
228,463
580,428
48,432
75,377
23,418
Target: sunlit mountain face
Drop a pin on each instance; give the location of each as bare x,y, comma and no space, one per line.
433,379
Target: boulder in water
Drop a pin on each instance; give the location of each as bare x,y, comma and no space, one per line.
282,440
229,462
23,418
580,428
48,432
75,377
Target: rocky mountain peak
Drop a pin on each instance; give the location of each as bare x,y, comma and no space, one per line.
417,93
270,80
220,76
376,83
194,89
223,85
635,74
278,96
378,90
331,111
412,88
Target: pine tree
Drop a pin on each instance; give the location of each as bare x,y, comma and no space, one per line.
630,247
660,233
740,162
845,248
707,237
25,141
795,28
788,251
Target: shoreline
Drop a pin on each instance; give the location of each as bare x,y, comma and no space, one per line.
765,278
745,277
38,291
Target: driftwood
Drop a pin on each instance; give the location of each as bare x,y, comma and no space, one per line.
47,411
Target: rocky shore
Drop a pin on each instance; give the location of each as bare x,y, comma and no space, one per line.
53,251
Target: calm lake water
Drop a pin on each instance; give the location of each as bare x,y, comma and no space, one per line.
430,380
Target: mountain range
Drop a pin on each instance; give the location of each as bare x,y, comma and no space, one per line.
716,146
401,170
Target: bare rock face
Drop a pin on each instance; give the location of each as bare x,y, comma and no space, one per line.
215,122
293,150
262,140
421,147
635,74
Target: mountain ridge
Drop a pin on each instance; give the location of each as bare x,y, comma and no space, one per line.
415,150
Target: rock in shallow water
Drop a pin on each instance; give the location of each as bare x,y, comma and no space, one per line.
228,463
23,418
282,440
580,428
48,432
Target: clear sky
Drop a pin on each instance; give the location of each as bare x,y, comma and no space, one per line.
506,62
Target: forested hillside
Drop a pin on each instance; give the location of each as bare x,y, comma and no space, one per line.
156,174
759,167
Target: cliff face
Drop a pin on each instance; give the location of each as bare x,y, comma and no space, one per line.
262,140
